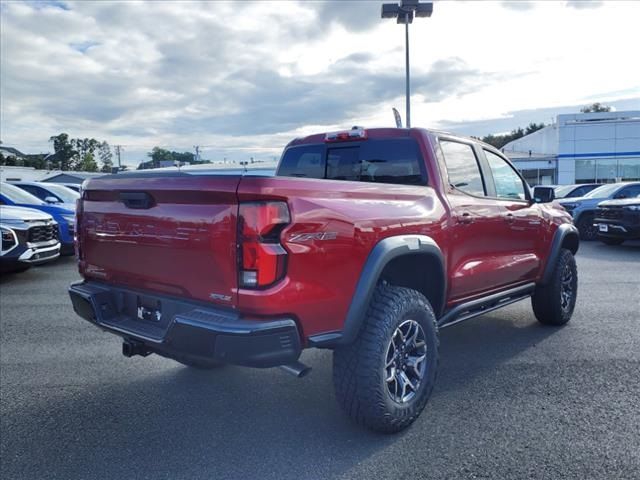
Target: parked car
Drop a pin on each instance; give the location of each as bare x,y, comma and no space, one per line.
583,209
29,237
618,220
76,187
63,214
50,192
366,242
573,191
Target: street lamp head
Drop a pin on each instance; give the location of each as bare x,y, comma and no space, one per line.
424,10
390,10
406,10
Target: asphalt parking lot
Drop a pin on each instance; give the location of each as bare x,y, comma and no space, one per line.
513,399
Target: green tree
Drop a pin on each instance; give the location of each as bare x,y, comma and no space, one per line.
106,157
64,151
9,161
87,163
595,108
36,161
500,141
533,127
184,157
159,155
83,147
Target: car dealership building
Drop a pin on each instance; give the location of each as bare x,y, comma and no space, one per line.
599,147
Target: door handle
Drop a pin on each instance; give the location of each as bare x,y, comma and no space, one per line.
465,218
509,218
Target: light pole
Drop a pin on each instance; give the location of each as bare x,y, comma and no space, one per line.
404,13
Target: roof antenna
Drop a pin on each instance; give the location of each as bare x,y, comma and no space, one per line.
396,115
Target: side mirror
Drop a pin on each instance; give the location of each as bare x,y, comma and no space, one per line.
51,200
543,194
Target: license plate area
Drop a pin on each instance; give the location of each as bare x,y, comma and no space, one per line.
149,310
603,227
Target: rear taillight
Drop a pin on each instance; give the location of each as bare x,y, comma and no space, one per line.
261,257
76,229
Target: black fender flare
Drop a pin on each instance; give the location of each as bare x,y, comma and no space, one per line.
384,251
564,232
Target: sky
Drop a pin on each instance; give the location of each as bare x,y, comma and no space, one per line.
241,79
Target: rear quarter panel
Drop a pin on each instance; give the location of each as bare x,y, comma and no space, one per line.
323,270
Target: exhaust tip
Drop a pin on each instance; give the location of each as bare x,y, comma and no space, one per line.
297,369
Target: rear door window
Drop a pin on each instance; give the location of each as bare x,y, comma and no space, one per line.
629,192
37,191
462,167
396,161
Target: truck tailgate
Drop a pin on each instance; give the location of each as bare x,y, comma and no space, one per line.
172,233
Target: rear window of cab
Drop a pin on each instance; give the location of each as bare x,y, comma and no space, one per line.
396,161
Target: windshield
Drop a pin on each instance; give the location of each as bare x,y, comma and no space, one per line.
19,196
561,192
65,194
603,191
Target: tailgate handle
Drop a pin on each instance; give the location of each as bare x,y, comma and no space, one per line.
140,200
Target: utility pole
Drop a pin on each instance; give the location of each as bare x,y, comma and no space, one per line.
118,148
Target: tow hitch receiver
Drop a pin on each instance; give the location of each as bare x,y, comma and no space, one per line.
131,348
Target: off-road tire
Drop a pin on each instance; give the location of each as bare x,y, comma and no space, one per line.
549,306
585,227
360,371
611,241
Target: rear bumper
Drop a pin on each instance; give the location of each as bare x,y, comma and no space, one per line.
176,328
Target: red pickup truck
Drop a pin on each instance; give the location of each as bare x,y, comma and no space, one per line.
366,242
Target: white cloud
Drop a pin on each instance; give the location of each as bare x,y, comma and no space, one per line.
240,77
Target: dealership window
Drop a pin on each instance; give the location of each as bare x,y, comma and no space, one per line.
607,170
539,176
629,168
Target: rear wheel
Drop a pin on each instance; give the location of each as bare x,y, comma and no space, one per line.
553,303
588,231
384,379
612,241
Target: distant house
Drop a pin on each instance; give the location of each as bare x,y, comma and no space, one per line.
11,152
71,177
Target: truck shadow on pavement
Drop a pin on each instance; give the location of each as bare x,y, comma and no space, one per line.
242,423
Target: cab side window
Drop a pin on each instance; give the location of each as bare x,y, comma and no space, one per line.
38,192
629,192
508,183
462,167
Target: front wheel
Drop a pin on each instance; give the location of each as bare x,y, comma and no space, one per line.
588,231
553,303
384,379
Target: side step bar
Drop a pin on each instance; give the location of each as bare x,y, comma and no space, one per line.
469,310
